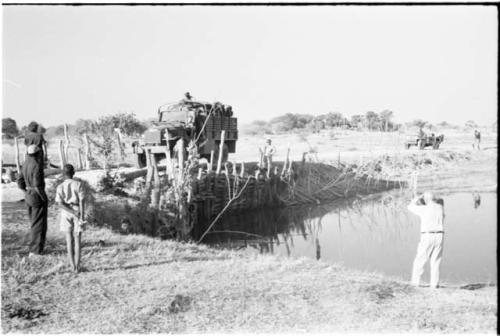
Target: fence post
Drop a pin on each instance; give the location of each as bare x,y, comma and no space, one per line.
120,145
221,150
149,172
18,163
211,163
286,160
242,172
80,162
66,143
180,152
155,193
87,151
62,158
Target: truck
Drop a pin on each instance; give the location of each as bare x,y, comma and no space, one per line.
424,141
194,121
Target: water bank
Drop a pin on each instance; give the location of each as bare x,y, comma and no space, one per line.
137,284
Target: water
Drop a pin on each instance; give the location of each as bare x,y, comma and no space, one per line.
375,234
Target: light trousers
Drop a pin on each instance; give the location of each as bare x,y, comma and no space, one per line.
430,248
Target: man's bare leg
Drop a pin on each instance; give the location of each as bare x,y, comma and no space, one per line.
69,246
78,237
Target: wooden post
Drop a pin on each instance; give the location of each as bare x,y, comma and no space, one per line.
199,174
221,149
180,144
62,158
286,160
242,172
80,162
211,163
234,169
155,193
120,145
149,173
87,151
66,143
261,158
170,163
18,162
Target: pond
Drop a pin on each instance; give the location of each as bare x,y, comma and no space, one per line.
376,233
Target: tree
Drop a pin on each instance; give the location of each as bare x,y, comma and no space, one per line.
386,117
83,125
333,119
418,123
103,132
470,124
284,123
372,120
358,120
9,128
55,131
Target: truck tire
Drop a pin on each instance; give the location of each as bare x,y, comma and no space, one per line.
421,144
141,160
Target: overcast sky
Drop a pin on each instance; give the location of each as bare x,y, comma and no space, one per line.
433,63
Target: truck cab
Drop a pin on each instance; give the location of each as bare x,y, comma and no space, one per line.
193,121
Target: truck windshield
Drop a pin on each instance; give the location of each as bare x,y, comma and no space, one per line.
173,116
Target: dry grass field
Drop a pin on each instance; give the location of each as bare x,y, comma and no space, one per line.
136,284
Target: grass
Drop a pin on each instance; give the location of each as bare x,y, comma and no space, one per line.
136,284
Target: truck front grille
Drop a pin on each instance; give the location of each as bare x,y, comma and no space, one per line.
152,137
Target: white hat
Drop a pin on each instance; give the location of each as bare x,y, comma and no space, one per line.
32,149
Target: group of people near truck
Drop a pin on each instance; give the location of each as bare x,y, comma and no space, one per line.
70,197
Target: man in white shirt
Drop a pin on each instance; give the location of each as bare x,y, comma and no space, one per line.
431,239
267,153
70,196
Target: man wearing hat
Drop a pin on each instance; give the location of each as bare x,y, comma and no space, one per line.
35,138
31,180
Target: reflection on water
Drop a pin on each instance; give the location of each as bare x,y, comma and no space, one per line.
477,200
374,234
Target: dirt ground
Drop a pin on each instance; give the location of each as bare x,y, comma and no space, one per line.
137,284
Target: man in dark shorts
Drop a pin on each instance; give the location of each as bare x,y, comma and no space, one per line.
31,181
35,138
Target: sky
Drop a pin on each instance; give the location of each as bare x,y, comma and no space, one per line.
433,63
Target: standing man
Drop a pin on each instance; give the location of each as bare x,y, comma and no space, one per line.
33,137
268,152
431,237
477,139
71,199
31,181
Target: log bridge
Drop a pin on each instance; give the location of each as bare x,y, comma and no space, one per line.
234,187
